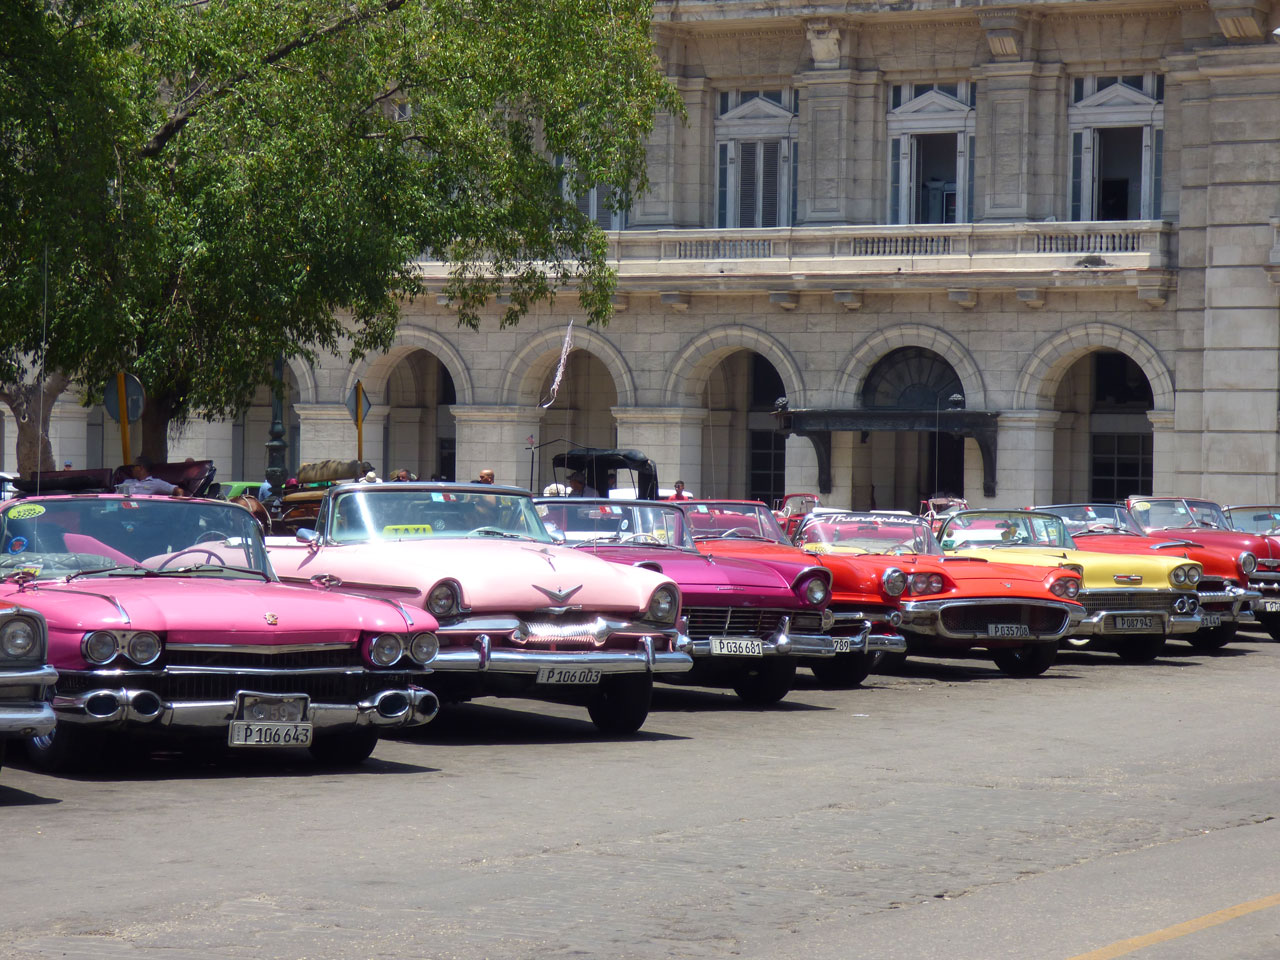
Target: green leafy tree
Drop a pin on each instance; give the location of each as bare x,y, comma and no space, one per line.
280,167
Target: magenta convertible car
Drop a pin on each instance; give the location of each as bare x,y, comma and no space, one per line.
520,614
749,622
166,623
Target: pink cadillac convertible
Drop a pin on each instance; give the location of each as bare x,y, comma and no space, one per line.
166,622
749,622
520,615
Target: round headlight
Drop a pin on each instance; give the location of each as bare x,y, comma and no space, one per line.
936,583
442,600
18,638
1072,589
919,583
143,648
815,591
1193,575
424,647
663,606
1179,576
1248,563
100,647
1059,587
386,649
894,582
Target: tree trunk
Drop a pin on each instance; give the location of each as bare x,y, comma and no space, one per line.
156,417
32,406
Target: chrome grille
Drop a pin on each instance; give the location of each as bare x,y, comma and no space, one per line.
1207,585
565,634
707,622
976,619
1100,600
338,657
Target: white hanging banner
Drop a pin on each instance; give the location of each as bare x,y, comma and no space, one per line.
564,360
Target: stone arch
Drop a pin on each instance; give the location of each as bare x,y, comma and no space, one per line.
1048,364
694,365
375,371
865,355
530,365
304,378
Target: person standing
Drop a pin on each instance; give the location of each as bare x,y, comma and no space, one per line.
680,493
486,475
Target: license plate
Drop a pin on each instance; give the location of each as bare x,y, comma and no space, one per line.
568,675
1211,620
269,721
1008,630
1271,606
843,644
1134,623
734,647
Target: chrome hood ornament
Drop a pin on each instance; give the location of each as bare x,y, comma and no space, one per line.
557,596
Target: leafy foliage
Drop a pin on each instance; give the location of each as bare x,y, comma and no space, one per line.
262,176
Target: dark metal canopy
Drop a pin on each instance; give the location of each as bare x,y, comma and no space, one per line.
597,464
818,423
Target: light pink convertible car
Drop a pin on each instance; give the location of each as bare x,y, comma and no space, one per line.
520,615
166,623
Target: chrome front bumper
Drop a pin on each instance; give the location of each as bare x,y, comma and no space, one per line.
122,707
1241,604
925,617
472,646
781,643
867,641
1103,624
27,714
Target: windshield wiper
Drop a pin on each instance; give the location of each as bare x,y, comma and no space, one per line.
131,567
494,532
201,567
739,536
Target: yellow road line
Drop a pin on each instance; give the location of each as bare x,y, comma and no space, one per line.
1125,947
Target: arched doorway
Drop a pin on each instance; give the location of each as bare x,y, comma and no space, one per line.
581,414
743,454
895,470
419,434
1103,445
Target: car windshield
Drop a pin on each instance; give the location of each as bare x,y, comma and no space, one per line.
1176,513
869,533
1255,519
410,512
62,536
1001,528
1083,519
605,521
727,520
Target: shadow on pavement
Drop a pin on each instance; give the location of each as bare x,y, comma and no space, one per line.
13,797
672,698
476,723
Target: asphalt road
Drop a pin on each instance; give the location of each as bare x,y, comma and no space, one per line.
1100,811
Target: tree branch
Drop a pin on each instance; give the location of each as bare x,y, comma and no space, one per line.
181,117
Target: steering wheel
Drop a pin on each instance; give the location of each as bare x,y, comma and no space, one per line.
740,532
182,553
210,536
899,550
642,538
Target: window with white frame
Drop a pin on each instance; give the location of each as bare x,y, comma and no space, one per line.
931,145
595,204
1116,125
756,158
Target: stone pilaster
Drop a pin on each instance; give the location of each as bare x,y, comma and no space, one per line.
1164,459
1024,459
497,437
825,179
669,436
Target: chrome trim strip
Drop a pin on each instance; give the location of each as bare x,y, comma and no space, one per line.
26,719
261,647
805,645
364,589
124,616
42,675
503,660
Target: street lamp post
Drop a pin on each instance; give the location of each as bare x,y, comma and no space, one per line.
276,471
954,402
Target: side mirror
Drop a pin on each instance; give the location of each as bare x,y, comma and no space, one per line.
557,536
310,537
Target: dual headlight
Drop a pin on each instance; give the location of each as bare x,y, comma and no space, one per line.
1185,575
926,583
103,646
1248,563
20,639
894,582
388,649
664,605
1067,587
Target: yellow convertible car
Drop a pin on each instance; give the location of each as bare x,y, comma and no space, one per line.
1132,602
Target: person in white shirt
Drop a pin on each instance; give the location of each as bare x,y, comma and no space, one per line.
142,482
578,486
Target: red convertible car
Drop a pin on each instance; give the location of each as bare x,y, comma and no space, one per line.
749,622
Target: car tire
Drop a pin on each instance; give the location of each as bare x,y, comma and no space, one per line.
767,684
1215,638
844,670
345,748
1028,660
1270,622
890,663
621,705
1140,649
68,748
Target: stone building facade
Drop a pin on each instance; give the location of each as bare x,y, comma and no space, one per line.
1022,251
